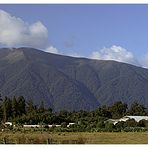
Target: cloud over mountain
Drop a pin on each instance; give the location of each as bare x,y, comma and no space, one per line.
15,32
116,53
144,61
52,49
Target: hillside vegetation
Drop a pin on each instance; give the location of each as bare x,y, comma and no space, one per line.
69,83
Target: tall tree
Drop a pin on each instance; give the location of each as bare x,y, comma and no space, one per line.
1,113
7,109
1,110
118,110
30,106
103,112
137,110
21,105
41,108
14,107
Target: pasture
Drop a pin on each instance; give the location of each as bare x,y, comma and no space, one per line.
39,137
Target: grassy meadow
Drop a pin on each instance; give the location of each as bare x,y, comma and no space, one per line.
73,138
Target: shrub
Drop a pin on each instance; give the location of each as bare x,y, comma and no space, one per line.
134,129
64,124
131,123
143,123
120,125
100,124
109,126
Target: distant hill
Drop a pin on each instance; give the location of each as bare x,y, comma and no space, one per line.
68,83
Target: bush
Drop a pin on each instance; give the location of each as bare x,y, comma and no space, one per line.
109,126
143,123
64,124
134,129
131,123
100,124
120,125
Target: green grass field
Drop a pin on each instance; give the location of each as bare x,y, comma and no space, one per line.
74,138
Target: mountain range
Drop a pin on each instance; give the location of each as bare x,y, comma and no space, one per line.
68,83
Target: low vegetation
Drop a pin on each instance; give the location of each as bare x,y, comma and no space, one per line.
73,138
87,127
20,112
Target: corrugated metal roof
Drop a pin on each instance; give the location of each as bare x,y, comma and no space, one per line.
125,118
138,118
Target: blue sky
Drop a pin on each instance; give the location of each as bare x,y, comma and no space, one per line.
84,29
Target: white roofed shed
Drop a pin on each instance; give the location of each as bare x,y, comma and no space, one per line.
125,118
137,118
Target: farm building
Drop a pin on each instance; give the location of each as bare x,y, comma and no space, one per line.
125,118
40,126
70,124
8,123
32,126
137,118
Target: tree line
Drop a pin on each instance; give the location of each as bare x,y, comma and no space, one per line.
21,111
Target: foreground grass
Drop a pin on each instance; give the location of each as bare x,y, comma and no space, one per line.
74,138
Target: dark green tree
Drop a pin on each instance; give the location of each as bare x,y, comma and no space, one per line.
41,108
1,113
118,110
49,110
7,109
21,105
30,106
103,112
137,110
14,107
1,109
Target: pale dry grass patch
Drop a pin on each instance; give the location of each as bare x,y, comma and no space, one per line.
75,138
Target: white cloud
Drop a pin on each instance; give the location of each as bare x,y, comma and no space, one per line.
14,32
52,49
144,61
74,54
116,53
